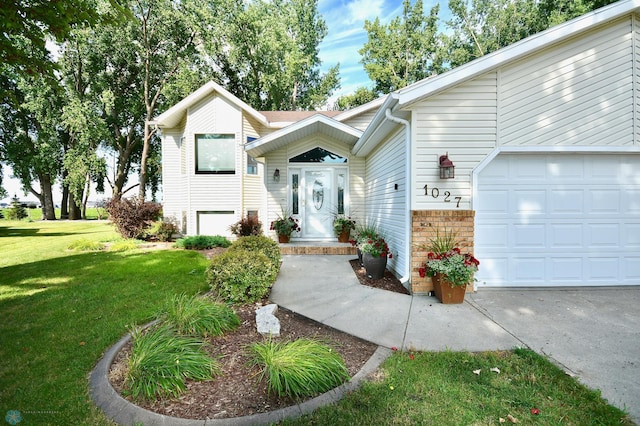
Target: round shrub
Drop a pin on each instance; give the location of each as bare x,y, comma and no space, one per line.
262,244
241,276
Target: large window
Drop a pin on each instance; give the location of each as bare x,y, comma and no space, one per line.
252,164
215,153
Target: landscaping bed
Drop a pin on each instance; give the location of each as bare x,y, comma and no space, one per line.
238,391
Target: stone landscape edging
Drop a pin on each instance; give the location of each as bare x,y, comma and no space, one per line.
123,412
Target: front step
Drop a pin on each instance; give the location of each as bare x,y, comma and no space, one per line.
318,248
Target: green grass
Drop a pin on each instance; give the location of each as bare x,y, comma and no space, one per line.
61,310
442,389
36,214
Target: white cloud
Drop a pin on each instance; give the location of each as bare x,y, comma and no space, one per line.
361,10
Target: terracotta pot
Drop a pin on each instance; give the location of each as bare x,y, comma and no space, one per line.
343,237
283,238
450,294
437,286
375,265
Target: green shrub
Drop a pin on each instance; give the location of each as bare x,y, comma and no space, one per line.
132,217
262,244
246,226
84,244
241,276
163,230
203,242
197,316
300,368
162,360
124,245
16,211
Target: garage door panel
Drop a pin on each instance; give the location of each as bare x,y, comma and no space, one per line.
528,269
529,236
528,201
496,236
559,219
566,201
604,235
605,269
566,269
566,235
603,201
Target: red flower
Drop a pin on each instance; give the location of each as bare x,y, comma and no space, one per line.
411,357
535,411
390,255
422,272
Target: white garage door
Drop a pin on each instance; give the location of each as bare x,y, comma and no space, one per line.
558,220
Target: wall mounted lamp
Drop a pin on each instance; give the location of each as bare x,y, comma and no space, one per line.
446,167
276,175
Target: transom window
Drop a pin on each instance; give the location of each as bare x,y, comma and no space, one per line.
215,153
318,155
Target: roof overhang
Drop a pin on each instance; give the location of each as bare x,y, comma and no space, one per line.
310,126
174,115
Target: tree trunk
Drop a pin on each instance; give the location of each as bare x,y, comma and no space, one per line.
142,190
64,204
46,198
74,210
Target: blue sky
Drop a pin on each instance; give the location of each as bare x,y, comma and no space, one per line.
346,35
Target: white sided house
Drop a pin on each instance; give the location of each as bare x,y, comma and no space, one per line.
544,135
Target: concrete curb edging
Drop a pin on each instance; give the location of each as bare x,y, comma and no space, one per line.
123,412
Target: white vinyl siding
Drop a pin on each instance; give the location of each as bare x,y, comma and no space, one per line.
361,121
211,192
386,205
578,93
173,181
461,122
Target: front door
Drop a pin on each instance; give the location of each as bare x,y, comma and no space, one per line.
319,199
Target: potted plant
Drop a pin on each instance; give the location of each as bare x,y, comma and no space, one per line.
452,271
439,245
342,226
284,226
375,252
363,233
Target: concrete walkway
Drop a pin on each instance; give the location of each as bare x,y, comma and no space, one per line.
594,334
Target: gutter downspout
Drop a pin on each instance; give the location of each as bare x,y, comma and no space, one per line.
408,228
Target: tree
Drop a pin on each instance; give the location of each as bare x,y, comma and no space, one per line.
31,135
404,51
361,96
27,25
269,57
483,26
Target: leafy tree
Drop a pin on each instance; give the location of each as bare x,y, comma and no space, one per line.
269,57
404,51
483,26
30,134
361,96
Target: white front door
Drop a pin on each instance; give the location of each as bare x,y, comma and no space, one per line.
319,196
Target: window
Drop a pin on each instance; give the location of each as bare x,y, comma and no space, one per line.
252,164
215,153
318,155
252,214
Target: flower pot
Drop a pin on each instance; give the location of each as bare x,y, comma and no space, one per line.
375,265
343,237
437,286
450,294
283,238
360,256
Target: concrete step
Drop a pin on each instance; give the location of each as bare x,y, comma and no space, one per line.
318,248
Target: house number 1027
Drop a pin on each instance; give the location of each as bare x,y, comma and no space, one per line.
435,193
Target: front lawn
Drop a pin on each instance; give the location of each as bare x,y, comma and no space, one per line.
60,310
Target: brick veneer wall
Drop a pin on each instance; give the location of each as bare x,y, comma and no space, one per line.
425,223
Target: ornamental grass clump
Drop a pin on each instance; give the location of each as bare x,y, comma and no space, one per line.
300,368
162,360
198,316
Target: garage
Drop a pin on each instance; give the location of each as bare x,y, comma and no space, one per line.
558,220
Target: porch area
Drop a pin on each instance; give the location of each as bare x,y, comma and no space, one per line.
318,248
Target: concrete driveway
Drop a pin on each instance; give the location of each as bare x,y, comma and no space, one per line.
592,333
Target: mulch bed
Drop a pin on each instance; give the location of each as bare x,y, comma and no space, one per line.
238,391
